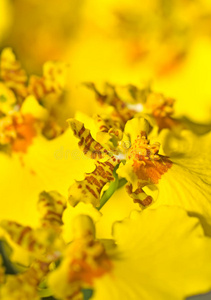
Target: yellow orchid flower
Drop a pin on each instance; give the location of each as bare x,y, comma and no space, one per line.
24,285
48,90
148,173
15,77
44,242
143,164
85,259
136,266
125,102
39,248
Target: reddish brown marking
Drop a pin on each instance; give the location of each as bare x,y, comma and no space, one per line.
91,191
91,179
23,233
110,165
59,202
50,212
89,137
81,131
81,142
104,127
31,245
147,201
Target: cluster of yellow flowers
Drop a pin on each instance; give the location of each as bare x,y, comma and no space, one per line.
105,179
161,251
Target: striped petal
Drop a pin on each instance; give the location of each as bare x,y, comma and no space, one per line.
12,73
87,143
89,189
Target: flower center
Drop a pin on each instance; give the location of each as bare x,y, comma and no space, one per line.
88,260
141,150
17,131
148,165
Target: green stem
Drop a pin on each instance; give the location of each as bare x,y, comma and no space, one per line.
122,182
116,184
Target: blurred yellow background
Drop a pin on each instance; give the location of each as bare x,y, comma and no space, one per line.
166,42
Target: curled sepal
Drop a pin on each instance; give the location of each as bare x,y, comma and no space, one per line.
45,242
51,206
85,259
89,189
87,144
12,73
42,243
109,131
24,286
121,111
161,108
52,81
139,196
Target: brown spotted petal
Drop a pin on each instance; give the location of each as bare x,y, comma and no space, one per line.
161,108
87,144
85,260
144,166
51,206
42,243
89,189
12,73
52,81
139,196
24,286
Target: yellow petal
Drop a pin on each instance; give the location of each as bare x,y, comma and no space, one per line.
163,254
72,212
32,106
187,183
48,165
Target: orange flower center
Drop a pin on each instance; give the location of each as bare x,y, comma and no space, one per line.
19,131
148,165
89,260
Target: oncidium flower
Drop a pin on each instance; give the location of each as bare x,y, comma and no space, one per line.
151,175
39,248
24,286
85,259
16,88
135,267
44,242
141,163
15,77
128,101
